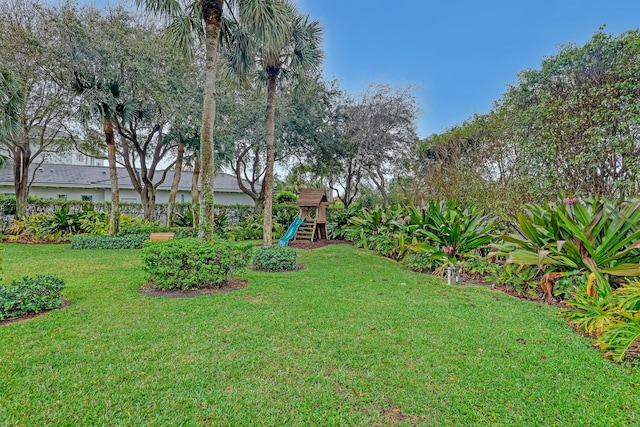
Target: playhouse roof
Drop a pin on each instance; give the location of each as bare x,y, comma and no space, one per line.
310,197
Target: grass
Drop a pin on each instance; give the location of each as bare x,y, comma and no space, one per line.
354,339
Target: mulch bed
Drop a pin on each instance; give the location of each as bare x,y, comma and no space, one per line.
633,352
538,296
151,290
25,241
306,244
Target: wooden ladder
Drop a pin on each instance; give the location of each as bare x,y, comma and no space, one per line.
306,231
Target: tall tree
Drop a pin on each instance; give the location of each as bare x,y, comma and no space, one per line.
297,55
39,106
88,42
207,20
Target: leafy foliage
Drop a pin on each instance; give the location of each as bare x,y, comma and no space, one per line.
285,196
275,258
598,239
191,264
129,241
30,295
613,319
444,232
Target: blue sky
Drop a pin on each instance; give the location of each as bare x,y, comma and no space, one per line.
459,54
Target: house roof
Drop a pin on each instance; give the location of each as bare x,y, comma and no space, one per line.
310,197
55,175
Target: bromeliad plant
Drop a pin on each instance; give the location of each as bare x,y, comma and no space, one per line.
433,236
598,239
451,233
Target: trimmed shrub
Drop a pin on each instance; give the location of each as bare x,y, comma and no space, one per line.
30,295
285,196
191,264
130,241
275,258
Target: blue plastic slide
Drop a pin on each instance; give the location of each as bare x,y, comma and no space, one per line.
291,232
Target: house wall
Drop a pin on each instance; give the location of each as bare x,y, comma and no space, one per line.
126,195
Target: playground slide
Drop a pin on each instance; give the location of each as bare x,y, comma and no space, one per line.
291,232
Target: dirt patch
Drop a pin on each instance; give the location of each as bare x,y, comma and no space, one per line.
535,295
306,244
151,290
27,241
29,316
633,352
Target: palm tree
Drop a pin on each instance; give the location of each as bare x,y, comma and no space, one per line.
295,56
208,20
103,101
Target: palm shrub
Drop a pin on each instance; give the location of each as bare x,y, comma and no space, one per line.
598,239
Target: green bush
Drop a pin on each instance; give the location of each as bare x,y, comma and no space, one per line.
30,295
275,258
191,264
129,241
285,196
140,230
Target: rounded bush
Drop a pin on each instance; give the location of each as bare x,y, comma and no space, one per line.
275,258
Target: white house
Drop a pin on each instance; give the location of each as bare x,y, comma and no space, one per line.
92,183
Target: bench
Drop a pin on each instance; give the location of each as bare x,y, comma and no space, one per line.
161,236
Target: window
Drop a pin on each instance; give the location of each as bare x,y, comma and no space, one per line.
182,198
80,158
87,198
62,197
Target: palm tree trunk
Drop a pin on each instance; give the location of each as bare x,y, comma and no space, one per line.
21,160
177,174
212,13
114,218
195,205
268,177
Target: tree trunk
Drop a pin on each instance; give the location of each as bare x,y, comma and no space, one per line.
175,185
195,205
114,216
212,14
21,162
267,187
148,197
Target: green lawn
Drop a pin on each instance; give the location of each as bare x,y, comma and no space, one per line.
354,339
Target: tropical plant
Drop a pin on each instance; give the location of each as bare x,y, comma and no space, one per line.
443,232
613,319
593,315
452,233
600,239
618,340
